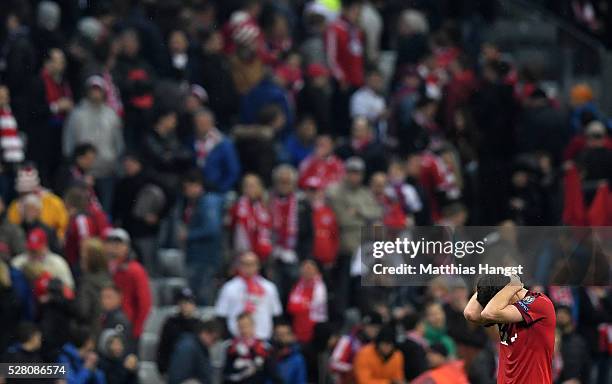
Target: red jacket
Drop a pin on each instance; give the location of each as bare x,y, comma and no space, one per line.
133,281
329,170
326,239
80,227
344,46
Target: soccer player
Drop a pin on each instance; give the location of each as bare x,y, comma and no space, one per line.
526,322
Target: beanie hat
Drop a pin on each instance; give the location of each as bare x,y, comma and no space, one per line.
580,94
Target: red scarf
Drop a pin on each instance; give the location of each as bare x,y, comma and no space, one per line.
251,225
54,90
10,141
254,291
284,220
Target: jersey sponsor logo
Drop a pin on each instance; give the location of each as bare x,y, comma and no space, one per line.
526,302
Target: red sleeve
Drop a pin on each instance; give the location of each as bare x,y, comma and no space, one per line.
533,308
143,294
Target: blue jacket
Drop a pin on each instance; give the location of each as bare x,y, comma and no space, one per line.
292,368
76,371
204,229
23,292
222,168
190,360
295,150
265,93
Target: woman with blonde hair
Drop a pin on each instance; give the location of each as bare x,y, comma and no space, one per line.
95,275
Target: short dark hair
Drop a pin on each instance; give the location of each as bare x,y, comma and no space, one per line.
83,149
193,176
208,326
411,320
487,286
25,331
80,335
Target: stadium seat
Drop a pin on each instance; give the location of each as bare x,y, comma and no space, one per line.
166,289
148,346
148,373
156,319
171,262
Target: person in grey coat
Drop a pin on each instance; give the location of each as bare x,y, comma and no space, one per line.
92,121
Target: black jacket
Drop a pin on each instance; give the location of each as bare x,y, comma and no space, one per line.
174,328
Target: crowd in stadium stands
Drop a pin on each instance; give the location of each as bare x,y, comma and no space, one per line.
258,138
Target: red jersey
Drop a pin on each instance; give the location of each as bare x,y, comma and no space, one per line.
344,49
526,348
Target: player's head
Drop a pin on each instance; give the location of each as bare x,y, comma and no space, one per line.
487,286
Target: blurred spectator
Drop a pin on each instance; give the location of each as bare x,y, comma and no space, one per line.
163,152
217,77
94,276
31,221
130,277
38,252
78,170
443,369
26,350
415,134
82,225
596,159
344,47
12,147
50,103
267,92
16,287
355,207
325,233
249,293
112,316
92,121
315,98
347,347
215,154
393,217
574,351
52,210
380,361
414,346
10,234
363,144
582,102
185,321
116,362
287,357
140,203
191,357
291,228
412,43
243,41
182,65
135,79
250,220
369,102
248,356
307,302
81,360
435,328
322,164
203,221
299,144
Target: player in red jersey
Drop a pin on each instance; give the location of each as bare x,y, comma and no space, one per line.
526,322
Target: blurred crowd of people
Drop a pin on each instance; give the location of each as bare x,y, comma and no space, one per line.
259,138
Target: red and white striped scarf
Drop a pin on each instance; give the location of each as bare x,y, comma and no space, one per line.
284,220
10,141
251,224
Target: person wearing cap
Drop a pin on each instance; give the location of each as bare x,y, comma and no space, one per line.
380,362
130,277
345,350
93,121
184,321
443,369
52,210
355,207
38,252
215,155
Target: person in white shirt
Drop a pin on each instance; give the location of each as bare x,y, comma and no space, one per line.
369,102
38,251
249,292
